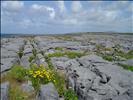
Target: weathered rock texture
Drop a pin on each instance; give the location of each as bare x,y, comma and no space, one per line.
48,92
4,90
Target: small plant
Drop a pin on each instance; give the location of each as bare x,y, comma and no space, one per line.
59,48
31,58
34,51
18,72
42,53
39,75
108,57
59,82
71,55
47,58
32,45
17,94
70,95
74,54
56,54
127,67
20,53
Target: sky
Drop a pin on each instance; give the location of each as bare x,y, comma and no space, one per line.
51,17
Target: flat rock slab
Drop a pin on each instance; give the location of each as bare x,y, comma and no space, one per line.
127,62
7,63
24,61
59,62
48,92
4,91
7,53
27,88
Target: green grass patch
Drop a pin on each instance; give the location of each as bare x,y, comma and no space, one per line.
128,55
34,52
109,58
18,73
116,55
74,54
20,54
31,58
16,77
59,48
69,54
48,60
41,75
127,67
70,95
56,54
15,93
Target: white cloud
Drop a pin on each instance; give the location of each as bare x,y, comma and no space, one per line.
43,10
114,15
25,23
12,5
61,6
70,21
111,15
76,6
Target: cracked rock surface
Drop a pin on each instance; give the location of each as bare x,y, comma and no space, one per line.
90,76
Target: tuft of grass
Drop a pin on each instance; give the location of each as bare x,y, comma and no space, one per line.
70,95
128,55
34,52
70,54
56,54
48,60
20,54
59,48
18,73
31,58
108,57
127,67
15,93
59,82
14,77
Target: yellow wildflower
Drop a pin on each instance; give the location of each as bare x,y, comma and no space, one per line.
34,75
38,72
41,76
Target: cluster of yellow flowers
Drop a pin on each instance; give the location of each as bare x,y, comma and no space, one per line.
42,73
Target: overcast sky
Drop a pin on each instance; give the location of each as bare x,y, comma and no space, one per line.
66,16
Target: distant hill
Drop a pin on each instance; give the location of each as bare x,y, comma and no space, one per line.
6,35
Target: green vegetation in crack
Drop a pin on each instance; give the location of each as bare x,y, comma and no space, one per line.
34,52
59,48
116,54
31,58
127,67
18,73
70,95
15,93
20,54
41,75
69,54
